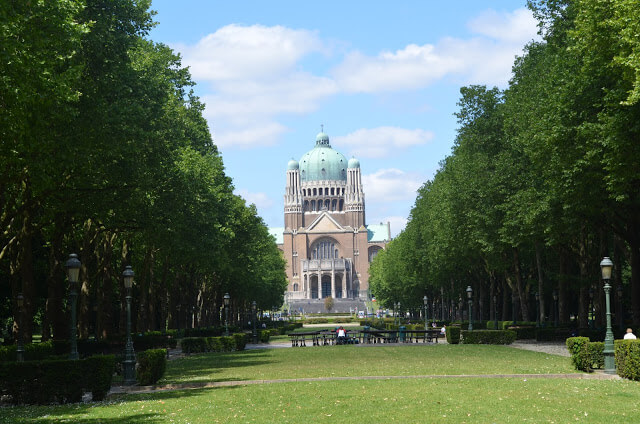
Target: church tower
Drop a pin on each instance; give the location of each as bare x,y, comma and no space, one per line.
293,197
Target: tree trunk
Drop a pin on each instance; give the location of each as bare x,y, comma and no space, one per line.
541,302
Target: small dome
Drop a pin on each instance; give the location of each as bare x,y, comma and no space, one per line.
322,138
292,165
354,163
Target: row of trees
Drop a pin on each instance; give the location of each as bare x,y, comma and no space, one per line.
105,153
542,181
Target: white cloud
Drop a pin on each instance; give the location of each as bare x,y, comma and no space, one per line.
486,58
261,200
236,52
390,185
382,141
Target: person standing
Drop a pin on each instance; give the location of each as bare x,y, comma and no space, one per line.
629,335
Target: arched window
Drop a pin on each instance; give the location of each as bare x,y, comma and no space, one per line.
295,287
324,249
313,205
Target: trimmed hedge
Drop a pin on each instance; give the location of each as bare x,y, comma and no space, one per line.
236,341
453,334
32,351
57,381
578,348
264,336
152,364
495,337
628,359
523,332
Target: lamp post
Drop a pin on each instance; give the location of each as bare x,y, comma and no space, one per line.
73,272
537,309
470,299
227,299
129,363
425,300
609,363
556,312
254,309
495,312
20,348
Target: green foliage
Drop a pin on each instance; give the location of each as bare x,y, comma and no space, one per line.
596,354
264,336
578,348
523,333
193,345
57,381
32,351
240,340
627,357
499,337
152,364
453,334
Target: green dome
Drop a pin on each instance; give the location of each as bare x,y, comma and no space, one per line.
354,163
292,165
323,163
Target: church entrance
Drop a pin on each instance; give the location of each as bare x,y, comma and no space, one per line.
314,287
326,286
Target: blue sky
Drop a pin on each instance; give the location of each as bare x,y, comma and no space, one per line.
382,77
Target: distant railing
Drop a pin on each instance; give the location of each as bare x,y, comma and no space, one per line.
325,264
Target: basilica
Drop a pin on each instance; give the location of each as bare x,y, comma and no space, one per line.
325,239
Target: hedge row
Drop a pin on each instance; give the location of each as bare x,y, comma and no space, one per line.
587,356
152,364
214,344
32,351
56,381
628,359
496,337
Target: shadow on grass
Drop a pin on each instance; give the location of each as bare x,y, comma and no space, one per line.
193,368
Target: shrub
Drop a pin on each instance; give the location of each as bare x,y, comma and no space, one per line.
580,353
264,336
57,381
100,368
524,332
596,354
228,343
240,340
32,351
214,344
628,359
152,364
495,337
194,345
453,334
552,334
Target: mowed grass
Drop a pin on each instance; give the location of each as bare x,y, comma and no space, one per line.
402,400
443,400
353,360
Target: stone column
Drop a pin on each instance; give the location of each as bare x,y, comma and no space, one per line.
333,283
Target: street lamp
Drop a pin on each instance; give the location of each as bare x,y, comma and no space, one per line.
254,309
227,298
609,363
129,364
73,272
425,300
470,298
20,349
537,309
556,312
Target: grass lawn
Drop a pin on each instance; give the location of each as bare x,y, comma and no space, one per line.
412,400
328,361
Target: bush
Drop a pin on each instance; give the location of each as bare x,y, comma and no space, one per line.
524,332
154,340
495,337
453,334
240,340
100,368
214,344
264,336
228,343
194,345
32,351
552,334
580,353
596,354
152,364
628,359
57,381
